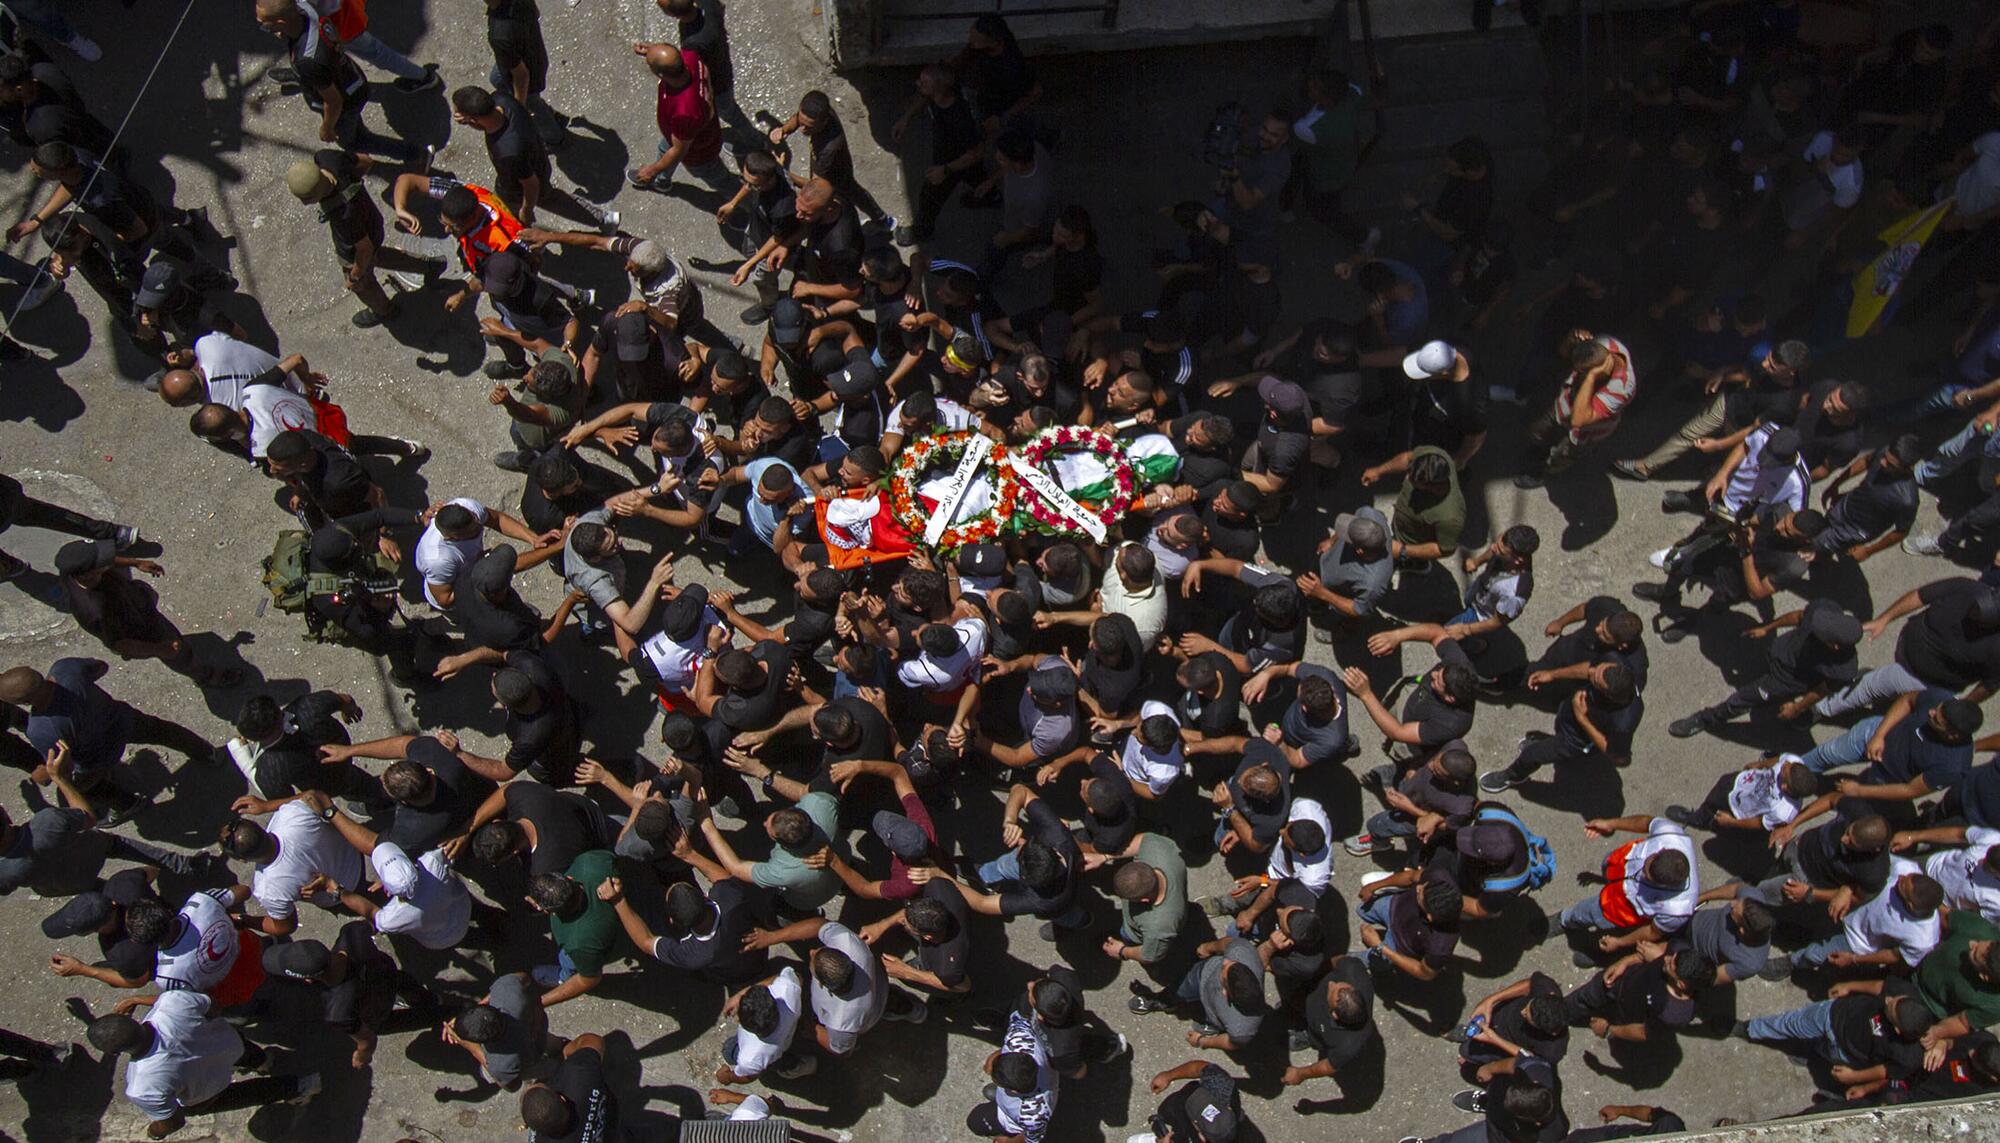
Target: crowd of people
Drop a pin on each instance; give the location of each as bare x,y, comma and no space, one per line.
1137,743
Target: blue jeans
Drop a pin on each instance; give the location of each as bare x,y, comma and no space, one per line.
1812,1024
368,49
1376,912
1390,825
1846,750
565,968
1963,445
715,173
14,270
1005,871
1585,914
1814,955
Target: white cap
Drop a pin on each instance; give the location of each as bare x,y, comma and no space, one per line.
1432,359
397,872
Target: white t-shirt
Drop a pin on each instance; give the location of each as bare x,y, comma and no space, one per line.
932,674
1157,771
1963,876
437,914
1757,794
201,953
272,411
951,417
1846,179
227,365
1752,485
193,1058
307,846
677,663
1882,923
1146,607
1978,187
846,1018
1314,870
1670,910
754,1053
441,560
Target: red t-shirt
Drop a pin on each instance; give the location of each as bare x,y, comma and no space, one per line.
898,886
690,113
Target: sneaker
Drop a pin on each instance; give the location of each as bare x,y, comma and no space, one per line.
1298,1040
1361,845
806,1066
1659,559
369,319
547,975
1368,879
46,286
124,536
609,223
1741,1029
1681,500
405,281
1051,933
1778,967
888,222
1204,1028
1650,592
513,460
918,1013
428,160
1583,960
11,567
1498,781
1120,1047
414,452
1505,395
308,1087
504,370
910,235
1629,470
125,813
1218,906
424,82
1687,727
1685,816
1472,1100
1675,633
632,178
755,315
586,296
1924,545
1143,1001
86,49
1528,481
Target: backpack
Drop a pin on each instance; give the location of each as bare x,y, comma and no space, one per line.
292,585
1541,868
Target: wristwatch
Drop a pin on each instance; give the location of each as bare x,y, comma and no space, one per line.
326,815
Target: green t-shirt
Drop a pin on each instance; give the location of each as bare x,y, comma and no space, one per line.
1335,150
590,937
1948,984
1156,926
561,416
802,886
1423,519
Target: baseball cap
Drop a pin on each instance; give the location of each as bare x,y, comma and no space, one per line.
84,913
394,869
684,611
79,556
788,321
1781,447
905,838
302,959
1492,843
982,561
503,275
1835,626
307,181
161,280
1211,1117
332,545
858,378
1963,717
1432,359
634,336
1284,397
1053,683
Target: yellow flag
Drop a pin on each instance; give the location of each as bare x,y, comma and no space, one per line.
1879,280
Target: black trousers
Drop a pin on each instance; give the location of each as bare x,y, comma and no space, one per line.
932,196
1542,751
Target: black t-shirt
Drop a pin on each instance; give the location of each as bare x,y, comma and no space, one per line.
291,764
455,797
351,216
1115,688
830,253
1438,722
1912,750
1511,1021
947,958
510,625
1823,444
654,377
1270,817
1203,471
1878,504
1173,1111
321,64
1446,413
810,626
1941,645
953,130
121,954
758,709
365,997
543,514
1688,255
1799,661
1337,1043
876,740
593,1103
830,158
516,149
514,32
1979,796
548,739
1112,834
1956,1078
719,953
1641,996
1218,715
1860,1025
566,825
1415,935
1282,449
1618,724
1040,823
1828,864
1465,204
1234,536
1078,274
336,484
1582,646
56,115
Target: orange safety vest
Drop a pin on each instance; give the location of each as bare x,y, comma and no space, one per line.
500,231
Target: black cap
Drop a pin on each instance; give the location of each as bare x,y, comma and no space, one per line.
788,321
982,560
1835,626
302,959
80,556
162,279
905,838
1055,683
1781,447
683,614
84,913
331,545
503,275
858,378
634,335
1213,1121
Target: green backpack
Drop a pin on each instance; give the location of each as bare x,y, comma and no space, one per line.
286,578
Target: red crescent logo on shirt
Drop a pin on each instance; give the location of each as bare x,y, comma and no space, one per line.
217,944
290,420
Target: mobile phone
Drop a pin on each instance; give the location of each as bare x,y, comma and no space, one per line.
1475,1027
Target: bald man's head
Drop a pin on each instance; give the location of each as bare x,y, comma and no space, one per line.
181,388
665,60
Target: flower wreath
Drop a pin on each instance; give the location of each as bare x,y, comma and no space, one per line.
944,449
1108,499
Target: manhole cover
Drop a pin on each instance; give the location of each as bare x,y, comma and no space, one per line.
31,606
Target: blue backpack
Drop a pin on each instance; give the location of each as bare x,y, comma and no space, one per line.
1541,868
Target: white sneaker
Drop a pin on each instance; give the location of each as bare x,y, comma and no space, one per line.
1659,559
609,224
587,296
406,282
86,49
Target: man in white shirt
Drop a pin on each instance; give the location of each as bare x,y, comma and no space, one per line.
299,847
1764,469
201,949
183,1058
1898,926
220,373
947,659
850,992
1970,877
455,537
1304,854
1151,756
767,1014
